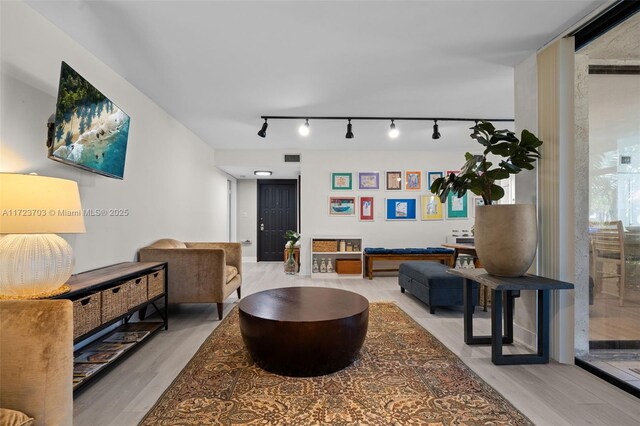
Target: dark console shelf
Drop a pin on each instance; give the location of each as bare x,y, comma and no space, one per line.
106,296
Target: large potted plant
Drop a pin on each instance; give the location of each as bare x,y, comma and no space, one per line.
506,235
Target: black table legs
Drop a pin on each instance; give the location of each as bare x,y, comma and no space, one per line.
497,339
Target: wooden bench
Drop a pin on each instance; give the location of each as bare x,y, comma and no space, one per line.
369,258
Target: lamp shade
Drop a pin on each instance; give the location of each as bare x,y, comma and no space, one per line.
31,204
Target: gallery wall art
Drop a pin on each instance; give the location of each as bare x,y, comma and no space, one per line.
394,180
366,209
401,208
431,208
341,181
342,206
413,180
368,180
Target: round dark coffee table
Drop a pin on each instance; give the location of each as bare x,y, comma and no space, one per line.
304,331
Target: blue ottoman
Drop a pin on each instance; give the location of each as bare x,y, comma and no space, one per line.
431,283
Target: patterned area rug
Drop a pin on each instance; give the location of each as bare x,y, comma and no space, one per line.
404,376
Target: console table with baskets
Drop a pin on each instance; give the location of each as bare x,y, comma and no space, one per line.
105,296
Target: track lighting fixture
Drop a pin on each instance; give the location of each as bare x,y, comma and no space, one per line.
349,134
393,132
436,132
263,131
304,128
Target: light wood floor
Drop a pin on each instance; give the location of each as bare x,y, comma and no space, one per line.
550,394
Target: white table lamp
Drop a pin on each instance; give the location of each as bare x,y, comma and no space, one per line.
34,261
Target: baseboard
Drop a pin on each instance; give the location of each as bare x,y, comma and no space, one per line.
250,259
524,337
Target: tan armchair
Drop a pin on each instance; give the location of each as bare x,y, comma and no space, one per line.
198,272
36,361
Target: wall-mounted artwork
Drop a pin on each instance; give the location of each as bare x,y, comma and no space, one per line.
368,180
366,209
91,132
431,176
475,202
342,206
413,180
394,181
401,208
431,207
457,208
455,172
341,181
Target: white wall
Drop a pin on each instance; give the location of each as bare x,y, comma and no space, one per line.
316,171
248,218
170,186
526,114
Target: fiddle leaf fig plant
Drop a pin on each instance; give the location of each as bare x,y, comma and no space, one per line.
479,175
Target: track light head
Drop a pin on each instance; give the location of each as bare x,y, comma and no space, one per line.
349,134
436,132
304,128
393,132
263,131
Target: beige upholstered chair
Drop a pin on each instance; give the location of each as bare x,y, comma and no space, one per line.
198,272
36,360
607,245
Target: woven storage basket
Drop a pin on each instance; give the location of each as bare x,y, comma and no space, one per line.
325,245
155,284
87,314
137,292
114,302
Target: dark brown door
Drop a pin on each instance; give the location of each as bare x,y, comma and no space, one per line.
277,212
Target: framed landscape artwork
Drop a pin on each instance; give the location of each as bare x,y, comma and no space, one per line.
342,206
457,208
401,208
366,209
413,180
394,181
431,176
341,181
431,207
368,180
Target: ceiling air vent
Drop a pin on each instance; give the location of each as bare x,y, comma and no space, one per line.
292,158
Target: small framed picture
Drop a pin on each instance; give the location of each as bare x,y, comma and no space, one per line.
413,180
366,209
341,181
431,176
457,207
368,180
394,181
342,206
475,202
431,207
401,208
455,172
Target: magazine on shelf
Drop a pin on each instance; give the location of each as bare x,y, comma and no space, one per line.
127,336
97,357
108,346
84,370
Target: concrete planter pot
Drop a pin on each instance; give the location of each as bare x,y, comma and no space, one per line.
506,238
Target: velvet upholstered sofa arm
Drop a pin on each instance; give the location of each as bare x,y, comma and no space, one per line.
233,252
36,359
193,272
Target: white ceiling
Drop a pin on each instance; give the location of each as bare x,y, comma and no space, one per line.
218,65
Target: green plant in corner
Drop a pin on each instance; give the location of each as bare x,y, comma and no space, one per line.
477,174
